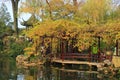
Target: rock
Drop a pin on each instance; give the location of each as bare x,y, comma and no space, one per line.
107,69
109,53
107,63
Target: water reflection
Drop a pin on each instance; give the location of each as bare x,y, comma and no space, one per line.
20,76
9,71
63,74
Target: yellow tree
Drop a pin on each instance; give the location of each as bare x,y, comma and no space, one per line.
59,9
108,33
60,29
92,11
34,7
66,30
95,11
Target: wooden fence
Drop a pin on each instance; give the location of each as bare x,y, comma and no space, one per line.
85,57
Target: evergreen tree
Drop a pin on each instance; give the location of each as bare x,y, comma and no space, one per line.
4,20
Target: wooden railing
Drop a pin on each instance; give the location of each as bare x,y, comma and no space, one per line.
83,56
75,56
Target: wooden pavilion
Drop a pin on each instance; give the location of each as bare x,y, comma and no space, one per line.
29,23
67,54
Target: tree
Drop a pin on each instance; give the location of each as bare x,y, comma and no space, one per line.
60,9
58,30
93,22
115,12
95,11
34,7
5,18
49,9
15,13
5,27
4,14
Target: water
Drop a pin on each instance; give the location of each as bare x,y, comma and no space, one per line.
10,71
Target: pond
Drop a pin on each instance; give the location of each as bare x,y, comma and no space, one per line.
9,70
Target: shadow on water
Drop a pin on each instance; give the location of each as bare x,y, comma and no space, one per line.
7,68
9,71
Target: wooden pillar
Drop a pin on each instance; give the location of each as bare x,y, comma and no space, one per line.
99,43
62,49
99,49
67,47
51,45
90,67
117,48
90,57
59,46
72,46
42,40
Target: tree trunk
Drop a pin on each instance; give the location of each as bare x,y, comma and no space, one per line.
75,3
15,10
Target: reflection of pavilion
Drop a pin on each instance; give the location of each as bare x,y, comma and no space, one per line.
69,74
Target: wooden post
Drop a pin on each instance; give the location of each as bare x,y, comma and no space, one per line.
67,47
90,57
117,48
62,50
58,48
72,46
99,43
51,45
99,49
90,67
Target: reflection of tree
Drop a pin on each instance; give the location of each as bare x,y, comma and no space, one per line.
32,73
69,74
48,73
7,68
8,71
40,73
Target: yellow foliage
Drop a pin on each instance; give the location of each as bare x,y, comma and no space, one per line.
85,35
29,51
31,6
95,10
27,77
